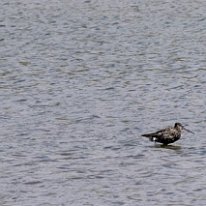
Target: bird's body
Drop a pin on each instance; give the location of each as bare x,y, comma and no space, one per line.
167,135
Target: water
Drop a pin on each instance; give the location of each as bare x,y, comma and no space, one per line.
80,81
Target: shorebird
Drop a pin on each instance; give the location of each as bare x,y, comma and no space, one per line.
168,135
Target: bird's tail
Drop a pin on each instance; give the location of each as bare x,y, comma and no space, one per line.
151,136
146,135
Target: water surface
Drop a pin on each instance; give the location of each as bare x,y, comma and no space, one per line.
80,81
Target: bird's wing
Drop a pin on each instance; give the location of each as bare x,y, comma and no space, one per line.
166,133
161,133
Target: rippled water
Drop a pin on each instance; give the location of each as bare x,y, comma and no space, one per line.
80,81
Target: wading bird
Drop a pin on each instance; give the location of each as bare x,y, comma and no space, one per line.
168,135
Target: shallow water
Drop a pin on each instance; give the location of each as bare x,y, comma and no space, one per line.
80,81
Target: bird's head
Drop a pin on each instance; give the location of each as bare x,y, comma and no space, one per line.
181,127
178,126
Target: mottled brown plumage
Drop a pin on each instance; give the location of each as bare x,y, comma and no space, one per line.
167,135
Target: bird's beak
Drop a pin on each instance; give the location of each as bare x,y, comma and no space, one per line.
188,130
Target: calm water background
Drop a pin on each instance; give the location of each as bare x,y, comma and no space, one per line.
80,80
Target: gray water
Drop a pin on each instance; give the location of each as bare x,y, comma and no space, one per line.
80,81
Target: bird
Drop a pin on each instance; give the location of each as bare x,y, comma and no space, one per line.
168,135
